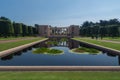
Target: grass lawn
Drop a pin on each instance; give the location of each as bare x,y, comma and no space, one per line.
5,46
59,75
105,44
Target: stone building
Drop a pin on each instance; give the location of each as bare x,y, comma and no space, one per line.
43,30
47,30
74,30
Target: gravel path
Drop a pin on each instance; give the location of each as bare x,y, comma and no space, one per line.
110,41
106,40
14,40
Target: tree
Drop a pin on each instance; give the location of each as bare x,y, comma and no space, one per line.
5,19
102,32
113,21
6,27
17,29
114,30
24,30
34,31
30,30
103,28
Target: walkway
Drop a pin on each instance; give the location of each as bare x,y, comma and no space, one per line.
59,68
110,41
104,40
15,40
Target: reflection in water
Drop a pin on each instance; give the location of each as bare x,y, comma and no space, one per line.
67,43
119,59
25,50
30,48
61,43
111,55
73,44
9,57
18,53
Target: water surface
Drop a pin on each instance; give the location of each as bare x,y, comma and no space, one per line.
27,58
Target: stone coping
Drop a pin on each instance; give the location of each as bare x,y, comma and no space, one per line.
19,48
59,68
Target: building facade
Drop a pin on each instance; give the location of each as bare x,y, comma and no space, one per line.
47,30
74,30
43,30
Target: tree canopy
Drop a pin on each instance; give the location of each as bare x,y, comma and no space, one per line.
103,28
9,28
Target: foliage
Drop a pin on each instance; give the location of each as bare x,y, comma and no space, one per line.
9,28
103,28
30,30
84,49
47,51
24,30
17,29
6,28
54,51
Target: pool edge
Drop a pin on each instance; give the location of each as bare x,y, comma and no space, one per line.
59,68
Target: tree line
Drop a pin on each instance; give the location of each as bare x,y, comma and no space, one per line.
103,28
9,28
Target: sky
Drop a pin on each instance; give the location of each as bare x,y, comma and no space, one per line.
59,12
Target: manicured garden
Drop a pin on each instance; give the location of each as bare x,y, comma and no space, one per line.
8,45
47,51
59,75
83,50
105,44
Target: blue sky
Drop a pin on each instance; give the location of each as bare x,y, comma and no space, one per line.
59,12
